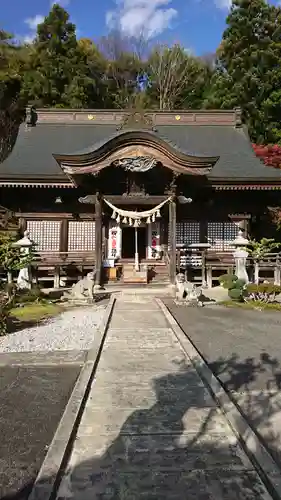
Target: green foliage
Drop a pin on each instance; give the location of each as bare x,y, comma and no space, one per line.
248,70
235,286
258,249
6,303
57,70
235,294
11,70
29,295
227,280
11,258
264,292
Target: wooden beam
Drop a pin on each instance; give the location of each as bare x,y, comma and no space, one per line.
55,215
126,200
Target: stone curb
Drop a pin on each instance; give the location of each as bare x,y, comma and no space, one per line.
48,478
253,446
43,358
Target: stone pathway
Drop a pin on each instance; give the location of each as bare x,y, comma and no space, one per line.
150,429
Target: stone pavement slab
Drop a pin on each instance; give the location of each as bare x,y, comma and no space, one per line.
150,429
140,318
113,419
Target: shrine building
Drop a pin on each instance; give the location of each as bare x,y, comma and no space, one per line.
123,191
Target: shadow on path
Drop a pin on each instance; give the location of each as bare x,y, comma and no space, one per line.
178,449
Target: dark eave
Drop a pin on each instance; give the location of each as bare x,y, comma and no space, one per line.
245,184
35,184
134,143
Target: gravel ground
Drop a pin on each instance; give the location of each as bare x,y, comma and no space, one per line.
32,400
73,329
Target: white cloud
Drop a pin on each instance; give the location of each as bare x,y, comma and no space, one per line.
223,4
28,38
141,17
32,22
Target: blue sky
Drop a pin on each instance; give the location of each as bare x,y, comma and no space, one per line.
196,24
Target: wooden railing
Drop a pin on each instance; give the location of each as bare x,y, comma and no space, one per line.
62,258
62,268
65,268
217,263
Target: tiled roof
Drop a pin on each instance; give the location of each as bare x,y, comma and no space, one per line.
32,156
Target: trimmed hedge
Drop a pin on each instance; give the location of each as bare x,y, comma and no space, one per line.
263,292
235,286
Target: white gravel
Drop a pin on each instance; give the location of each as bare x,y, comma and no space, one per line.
71,330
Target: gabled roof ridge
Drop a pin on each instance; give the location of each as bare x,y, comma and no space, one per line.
111,117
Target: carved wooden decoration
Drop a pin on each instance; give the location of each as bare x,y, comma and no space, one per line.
137,119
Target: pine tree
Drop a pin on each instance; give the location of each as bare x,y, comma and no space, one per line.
245,60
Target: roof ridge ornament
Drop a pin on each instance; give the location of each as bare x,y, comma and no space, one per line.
137,118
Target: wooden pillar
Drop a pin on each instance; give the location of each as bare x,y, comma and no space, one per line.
64,235
173,248
22,225
98,239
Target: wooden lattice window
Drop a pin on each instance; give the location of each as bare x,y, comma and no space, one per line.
45,233
187,232
221,235
81,236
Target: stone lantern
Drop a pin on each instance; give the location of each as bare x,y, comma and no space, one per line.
240,256
25,244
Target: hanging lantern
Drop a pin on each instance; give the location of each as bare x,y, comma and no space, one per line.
113,215
148,220
136,223
118,218
158,214
125,220
153,217
130,221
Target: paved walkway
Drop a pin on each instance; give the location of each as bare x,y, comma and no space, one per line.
150,429
243,348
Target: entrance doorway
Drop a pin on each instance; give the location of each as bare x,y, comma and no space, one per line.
128,242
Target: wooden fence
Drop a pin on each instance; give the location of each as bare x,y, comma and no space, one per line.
62,269
208,266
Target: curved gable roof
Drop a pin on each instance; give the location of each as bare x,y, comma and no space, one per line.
100,155
32,156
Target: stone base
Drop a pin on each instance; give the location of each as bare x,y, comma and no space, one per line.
215,294
132,276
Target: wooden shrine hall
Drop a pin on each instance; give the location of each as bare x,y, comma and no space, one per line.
123,191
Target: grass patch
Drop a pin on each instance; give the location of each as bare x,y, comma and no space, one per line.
35,312
252,305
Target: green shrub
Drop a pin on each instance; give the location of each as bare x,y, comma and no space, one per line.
234,286
264,292
227,280
236,294
6,303
26,296
240,284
